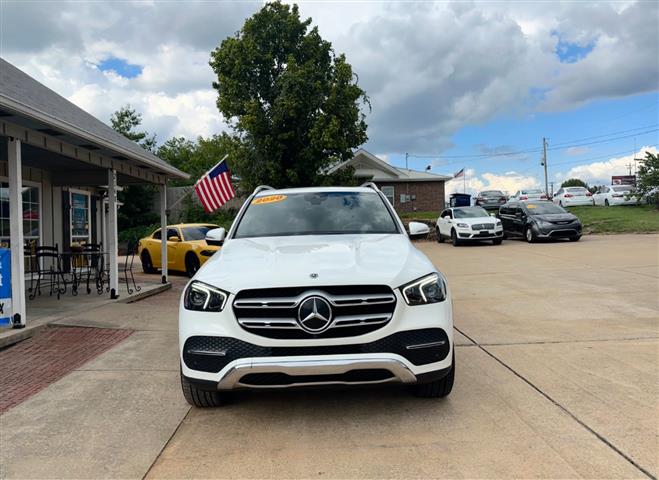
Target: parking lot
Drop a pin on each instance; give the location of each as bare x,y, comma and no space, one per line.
557,376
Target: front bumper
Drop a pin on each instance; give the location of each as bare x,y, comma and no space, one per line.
468,234
234,363
558,231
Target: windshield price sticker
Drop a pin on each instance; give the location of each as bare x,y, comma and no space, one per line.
268,199
530,206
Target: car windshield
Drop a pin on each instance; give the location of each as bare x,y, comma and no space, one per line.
492,193
576,190
622,188
316,213
197,232
543,208
531,192
469,212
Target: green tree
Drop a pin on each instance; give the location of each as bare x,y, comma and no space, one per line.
647,178
125,121
294,105
574,182
137,199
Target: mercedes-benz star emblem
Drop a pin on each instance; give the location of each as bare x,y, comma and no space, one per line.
314,314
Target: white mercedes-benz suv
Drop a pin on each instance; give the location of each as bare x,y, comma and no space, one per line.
315,286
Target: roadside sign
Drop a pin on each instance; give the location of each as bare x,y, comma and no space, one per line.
5,287
623,180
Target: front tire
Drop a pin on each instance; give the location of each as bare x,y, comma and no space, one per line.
200,398
497,241
606,202
440,239
439,388
147,264
191,265
529,235
454,238
575,238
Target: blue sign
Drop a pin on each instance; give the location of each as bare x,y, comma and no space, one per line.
5,286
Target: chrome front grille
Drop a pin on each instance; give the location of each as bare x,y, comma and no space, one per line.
274,313
482,226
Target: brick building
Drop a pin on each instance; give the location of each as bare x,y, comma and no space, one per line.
407,190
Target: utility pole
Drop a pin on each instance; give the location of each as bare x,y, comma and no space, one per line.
552,188
629,167
544,163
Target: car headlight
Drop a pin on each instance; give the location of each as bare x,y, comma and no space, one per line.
429,289
462,225
201,297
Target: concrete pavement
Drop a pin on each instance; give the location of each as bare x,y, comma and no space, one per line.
557,376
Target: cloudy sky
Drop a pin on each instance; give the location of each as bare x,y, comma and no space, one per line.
454,84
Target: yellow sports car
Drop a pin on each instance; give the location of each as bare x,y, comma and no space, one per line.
187,249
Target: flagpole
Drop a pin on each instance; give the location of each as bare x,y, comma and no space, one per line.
464,180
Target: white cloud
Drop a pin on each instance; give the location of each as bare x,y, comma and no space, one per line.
429,68
599,173
573,151
509,183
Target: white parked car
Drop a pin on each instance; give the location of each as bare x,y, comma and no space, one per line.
528,194
573,197
468,224
614,195
315,286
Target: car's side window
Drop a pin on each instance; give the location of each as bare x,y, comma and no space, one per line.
560,192
156,235
172,232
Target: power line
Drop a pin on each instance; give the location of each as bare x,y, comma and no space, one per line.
556,146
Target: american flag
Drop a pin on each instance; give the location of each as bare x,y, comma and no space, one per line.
214,188
459,174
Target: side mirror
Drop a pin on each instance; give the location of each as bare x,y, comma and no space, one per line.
418,229
447,217
173,239
216,236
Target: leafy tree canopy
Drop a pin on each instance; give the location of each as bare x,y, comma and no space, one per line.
136,199
293,104
574,182
647,177
125,121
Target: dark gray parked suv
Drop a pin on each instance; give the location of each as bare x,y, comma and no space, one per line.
538,219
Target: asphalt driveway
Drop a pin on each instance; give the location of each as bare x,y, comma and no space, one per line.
557,376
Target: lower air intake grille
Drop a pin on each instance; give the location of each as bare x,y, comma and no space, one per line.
212,354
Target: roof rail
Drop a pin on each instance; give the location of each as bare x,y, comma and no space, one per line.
370,185
260,188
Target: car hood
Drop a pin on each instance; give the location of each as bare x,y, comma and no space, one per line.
336,259
555,217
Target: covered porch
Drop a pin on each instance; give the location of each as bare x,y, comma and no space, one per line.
60,172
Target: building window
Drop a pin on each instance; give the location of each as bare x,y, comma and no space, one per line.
31,218
389,193
80,217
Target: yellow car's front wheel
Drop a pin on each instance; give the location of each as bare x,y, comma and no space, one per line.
192,264
147,263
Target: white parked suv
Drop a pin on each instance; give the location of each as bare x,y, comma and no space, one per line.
315,286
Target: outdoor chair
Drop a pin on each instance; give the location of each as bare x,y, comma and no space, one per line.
48,268
93,259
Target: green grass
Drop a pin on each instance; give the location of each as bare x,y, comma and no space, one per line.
623,219
419,215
